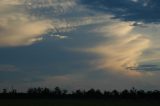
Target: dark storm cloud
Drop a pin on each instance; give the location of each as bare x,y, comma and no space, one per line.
128,10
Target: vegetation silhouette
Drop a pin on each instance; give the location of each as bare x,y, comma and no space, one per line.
58,93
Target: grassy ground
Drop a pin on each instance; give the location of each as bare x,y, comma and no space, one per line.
78,103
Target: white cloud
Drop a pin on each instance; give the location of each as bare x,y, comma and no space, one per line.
59,36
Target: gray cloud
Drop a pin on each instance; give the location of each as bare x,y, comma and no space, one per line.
148,68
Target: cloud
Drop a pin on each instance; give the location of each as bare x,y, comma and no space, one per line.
25,26
59,36
19,28
54,6
24,22
22,33
145,68
122,49
127,10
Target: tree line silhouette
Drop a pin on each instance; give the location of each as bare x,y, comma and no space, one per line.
58,93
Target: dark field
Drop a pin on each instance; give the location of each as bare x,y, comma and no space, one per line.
79,103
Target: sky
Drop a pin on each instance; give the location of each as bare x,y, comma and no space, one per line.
80,44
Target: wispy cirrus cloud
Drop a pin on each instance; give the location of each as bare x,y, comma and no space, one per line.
17,27
122,48
22,32
20,27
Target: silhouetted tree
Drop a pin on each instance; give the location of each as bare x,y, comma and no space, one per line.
107,94
46,91
125,93
92,93
4,91
64,92
141,94
57,91
13,91
115,93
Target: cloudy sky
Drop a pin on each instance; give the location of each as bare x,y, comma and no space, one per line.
102,44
